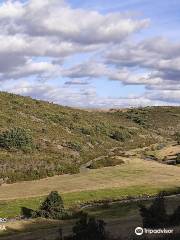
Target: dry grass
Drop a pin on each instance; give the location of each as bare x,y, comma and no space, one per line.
135,172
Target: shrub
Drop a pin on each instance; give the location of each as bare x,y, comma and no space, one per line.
27,212
106,162
138,116
102,129
52,207
121,135
17,138
75,146
86,131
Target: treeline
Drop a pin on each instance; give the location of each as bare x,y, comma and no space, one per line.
156,215
88,228
85,228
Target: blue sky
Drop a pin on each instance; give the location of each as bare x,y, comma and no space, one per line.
164,14
92,53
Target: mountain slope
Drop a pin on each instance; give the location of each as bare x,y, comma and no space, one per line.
64,138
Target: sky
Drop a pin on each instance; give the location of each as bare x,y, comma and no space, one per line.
92,54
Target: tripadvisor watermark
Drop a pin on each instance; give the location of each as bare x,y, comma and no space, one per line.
140,231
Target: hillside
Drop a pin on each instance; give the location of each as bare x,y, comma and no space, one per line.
40,139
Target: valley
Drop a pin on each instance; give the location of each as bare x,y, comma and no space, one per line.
90,157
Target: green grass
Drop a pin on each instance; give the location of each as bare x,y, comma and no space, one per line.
12,208
65,137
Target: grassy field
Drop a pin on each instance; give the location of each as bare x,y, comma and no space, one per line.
134,172
12,208
121,218
135,177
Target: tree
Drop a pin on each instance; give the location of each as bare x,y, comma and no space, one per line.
52,207
155,215
88,228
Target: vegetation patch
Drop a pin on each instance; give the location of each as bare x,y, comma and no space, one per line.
16,138
121,135
138,116
39,139
13,208
106,162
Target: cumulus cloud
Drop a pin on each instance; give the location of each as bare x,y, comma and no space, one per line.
165,95
43,70
11,9
38,38
51,28
148,53
155,53
57,94
55,18
84,98
96,70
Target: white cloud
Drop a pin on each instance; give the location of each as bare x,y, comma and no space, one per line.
38,37
53,29
165,95
78,25
86,97
55,18
30,68
11,9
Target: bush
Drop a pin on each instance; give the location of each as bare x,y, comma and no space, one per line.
52,207
138,116
121,135
16,138
75,146
27,212
102,129
106,162
86,131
